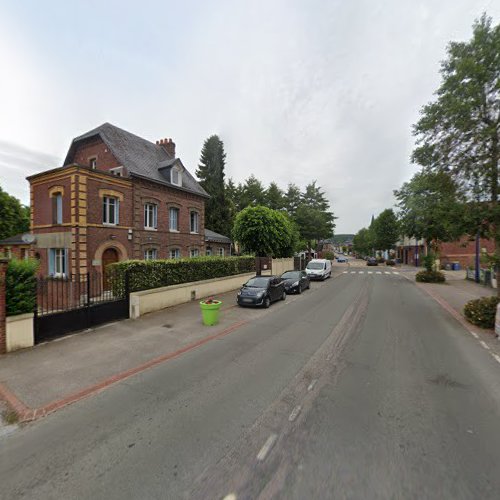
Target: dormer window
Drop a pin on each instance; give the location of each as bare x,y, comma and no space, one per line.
176,176
93,162
118,171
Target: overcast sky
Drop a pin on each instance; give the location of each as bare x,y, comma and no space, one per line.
297,90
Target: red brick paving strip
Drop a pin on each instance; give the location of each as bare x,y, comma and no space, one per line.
26,414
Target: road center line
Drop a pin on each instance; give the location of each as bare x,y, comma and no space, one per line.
387,272
475,335
295,413
312,384
361,272
261,456
379,272
370,272
484,344
395,272
353,272
496,356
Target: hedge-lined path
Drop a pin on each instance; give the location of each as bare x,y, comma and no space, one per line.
42,379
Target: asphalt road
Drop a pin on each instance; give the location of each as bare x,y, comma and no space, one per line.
360,388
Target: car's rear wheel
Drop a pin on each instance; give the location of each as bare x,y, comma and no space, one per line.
299,291
283,295
267,302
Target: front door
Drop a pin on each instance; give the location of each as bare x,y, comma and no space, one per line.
110,256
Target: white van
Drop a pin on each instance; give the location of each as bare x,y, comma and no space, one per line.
319,269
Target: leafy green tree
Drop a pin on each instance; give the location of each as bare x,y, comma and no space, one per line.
313,224
314,197
385,230
211,175
265,232
293,198
459,132
274,198
432,207
252,193
363,242
14,217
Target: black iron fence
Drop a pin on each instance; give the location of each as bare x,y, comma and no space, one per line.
77,302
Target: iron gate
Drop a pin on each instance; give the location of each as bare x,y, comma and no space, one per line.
79,302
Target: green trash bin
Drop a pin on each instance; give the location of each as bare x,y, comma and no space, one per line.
210,311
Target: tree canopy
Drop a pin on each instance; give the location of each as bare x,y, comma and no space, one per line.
385,230
432,207
264,231
459,132
14,217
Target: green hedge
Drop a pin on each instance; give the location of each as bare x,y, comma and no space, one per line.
481,312
430,277
20,282
147,274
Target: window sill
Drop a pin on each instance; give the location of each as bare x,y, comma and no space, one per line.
150,228
194,232
174,231
109,224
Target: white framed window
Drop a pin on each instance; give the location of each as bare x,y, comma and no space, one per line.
110,210
194,252
150,216
208,251
175,253
93,162
57,208
173,216
221,251
58,261
175,176
193,221
118,171
151,254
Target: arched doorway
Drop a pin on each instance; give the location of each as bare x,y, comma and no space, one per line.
109,256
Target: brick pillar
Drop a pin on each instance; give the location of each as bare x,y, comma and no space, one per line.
3,327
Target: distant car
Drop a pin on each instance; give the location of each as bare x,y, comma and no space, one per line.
341,258
261,291
319,269
295,281
371,261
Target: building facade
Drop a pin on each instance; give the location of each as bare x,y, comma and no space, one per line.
117,197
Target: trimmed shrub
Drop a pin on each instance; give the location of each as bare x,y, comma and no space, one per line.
430,277
329,255
20,282
481,312
148,274
390,262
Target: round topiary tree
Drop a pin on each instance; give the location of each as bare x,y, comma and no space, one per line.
265,232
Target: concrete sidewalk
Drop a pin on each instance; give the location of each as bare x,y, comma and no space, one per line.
39,380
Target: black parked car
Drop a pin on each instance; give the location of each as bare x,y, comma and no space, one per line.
295,281
261,291
371,261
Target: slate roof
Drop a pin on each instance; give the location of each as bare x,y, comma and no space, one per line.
213,236
17,239
139,156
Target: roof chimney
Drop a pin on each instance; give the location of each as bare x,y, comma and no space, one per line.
168,145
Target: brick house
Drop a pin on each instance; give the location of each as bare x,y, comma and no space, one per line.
16,247
117,197
217,244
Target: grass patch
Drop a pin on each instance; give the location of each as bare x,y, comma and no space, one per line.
10,417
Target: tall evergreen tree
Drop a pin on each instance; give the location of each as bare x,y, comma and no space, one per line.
211,176
253,193
274,197
293,198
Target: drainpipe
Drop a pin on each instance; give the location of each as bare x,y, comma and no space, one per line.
476,276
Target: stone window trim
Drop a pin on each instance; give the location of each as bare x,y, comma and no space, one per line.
178,225
111,194
56,190
197,225
193,249
150,199
154,251
172,248
149,245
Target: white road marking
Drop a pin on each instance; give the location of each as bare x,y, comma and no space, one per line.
497,357
387,272
261,456
231,496
344,272
312,384
361,272
475,335
295,413
353,272
484,344
395,272
379,272
370,272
